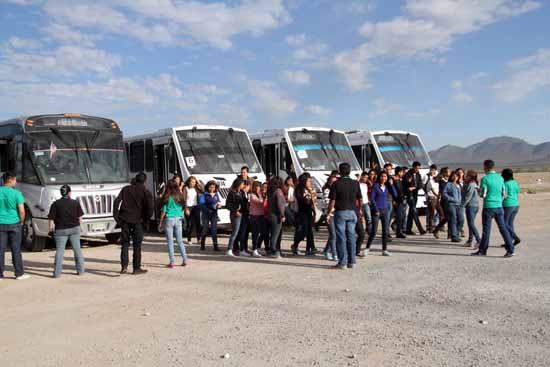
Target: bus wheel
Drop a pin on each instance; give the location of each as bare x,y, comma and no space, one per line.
112,237
29,240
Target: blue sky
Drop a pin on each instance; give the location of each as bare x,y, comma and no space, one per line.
455,71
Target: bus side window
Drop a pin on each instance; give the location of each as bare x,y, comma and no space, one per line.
149,155
172,167
286,158
270,159
29,173
137,156
358,152
258,149
3,156
372,158
127,148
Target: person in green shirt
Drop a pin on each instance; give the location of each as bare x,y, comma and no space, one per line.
511,202
171,216
493,191
12,217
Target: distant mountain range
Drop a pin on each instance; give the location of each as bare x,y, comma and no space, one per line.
502,150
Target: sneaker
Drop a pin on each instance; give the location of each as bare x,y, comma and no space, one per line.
171,266
335,258
386,253
328,256
509,254
124,270
360,254
338,267
277,255
468,244
517,241
23,277
244,254
401,235
185,263
140,271
295,250
366,252
256,253
436,234
351,266
478,253
230,253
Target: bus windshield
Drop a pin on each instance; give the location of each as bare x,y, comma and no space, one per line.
401,149
217,151
78,156
322,150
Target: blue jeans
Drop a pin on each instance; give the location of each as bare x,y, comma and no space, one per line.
331,242
487,217
10,236
471,213
385,218
368,217
210,217
510,214
461,219
345,221
236,226
62,236
454,215
174,226
400,216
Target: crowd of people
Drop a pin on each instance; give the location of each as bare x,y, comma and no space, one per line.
352,208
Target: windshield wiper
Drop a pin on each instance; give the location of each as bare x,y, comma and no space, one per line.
238,146
334,146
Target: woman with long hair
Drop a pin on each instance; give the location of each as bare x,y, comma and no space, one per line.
257,218
191,193
178,180
234,204
511,203
171,220
209,202
306,215
276,216
453,197
290,206
379,199
470,202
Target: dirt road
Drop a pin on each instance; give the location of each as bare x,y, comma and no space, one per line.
429,305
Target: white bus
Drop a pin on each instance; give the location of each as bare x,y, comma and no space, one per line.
48,151
316,150
400,148
208,152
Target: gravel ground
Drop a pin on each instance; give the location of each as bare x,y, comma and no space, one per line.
429,305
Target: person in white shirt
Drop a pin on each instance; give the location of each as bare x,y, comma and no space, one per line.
363,185
191,192
432,194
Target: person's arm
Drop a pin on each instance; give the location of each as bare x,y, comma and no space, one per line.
330,208
161,219
483,188
51,217
373,197
80,213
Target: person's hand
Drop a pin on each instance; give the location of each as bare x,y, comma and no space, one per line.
283,219
329,219
238,214
218,205
160,227
186,212
376,214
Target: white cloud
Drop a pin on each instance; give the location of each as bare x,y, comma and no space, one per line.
165,84
168,23
428,28
298,77
317,110
463,98
310,52
66,61
23,43
67,35
429,114
530,74
269,99
456,84
383,107
296,39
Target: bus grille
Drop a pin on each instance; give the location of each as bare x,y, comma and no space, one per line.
224,191
97,204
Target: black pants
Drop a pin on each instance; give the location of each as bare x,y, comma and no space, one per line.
194,222
413,214
10,236
443,216
305,231
259,232
360,231
134,232
244,230
384,217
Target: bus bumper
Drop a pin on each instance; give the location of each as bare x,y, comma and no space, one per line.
96,227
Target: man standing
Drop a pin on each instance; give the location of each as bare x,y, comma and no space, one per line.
400,201
66,214
493,191
344,197
12,217
413,183
133,207
431,188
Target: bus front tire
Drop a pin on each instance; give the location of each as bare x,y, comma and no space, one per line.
29,240
112,238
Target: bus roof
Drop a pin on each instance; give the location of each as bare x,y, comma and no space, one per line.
37,122
276,132
169,131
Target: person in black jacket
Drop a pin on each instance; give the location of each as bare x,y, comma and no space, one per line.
233,203
413,184
132,208
244,229
400,201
